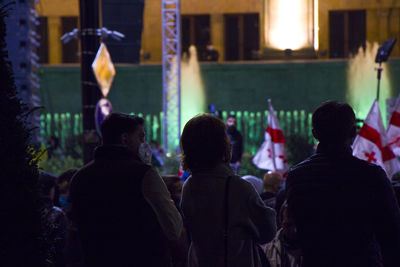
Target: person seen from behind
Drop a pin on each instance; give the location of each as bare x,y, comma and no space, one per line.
343,208
122,209
273,182
224,215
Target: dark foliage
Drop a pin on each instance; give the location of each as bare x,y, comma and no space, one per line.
248,168
19,213
298,148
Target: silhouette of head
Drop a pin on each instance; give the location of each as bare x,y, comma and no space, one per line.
123,129
272,182
204,143
334,122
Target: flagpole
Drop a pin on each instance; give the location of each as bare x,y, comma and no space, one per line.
269,124
379,69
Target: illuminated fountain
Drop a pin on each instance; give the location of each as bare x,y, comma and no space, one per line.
362,82
192,89
290,26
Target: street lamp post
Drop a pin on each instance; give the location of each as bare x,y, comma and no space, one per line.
89,23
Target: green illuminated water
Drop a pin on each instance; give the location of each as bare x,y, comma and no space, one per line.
192,88
362,82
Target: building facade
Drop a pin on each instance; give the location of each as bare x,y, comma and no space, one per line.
241,30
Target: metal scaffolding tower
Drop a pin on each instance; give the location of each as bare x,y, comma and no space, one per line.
171,60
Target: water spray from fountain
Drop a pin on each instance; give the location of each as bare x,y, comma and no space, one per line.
192,88
362,82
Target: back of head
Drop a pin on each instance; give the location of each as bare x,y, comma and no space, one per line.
204,143
334,122
272,181
115,124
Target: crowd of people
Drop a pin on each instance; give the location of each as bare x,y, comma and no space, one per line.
332,209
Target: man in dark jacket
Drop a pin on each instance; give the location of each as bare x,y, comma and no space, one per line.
121,207
344,208
236,142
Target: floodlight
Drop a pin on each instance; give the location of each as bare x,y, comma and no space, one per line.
384,50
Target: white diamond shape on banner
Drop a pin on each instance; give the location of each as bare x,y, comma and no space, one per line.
103,69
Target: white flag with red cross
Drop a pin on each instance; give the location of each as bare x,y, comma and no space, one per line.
393,131
371,144
272,154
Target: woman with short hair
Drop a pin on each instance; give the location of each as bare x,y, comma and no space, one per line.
223,231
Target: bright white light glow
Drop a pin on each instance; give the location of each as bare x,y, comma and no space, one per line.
316,27
361,82
288,24
192,88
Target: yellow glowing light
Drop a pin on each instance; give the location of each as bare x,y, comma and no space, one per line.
316,27
192,88
288,24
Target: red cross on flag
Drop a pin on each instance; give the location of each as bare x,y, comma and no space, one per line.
371,143
393,131
272,155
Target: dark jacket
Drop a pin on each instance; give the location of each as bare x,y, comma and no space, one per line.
269,199
237,144
344,209
116,225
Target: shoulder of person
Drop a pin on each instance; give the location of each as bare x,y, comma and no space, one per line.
136,164
303,165
150,170
369,170
242,183
81,173
365,164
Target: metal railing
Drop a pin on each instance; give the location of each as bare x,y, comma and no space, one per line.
252,125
